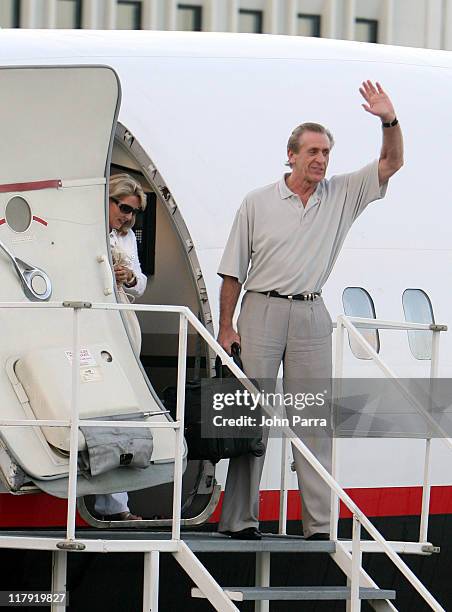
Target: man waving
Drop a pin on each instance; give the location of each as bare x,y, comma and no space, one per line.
282,247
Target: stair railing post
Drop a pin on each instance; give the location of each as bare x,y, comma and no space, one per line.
179,431
426,487
262,579
282,527
336,393
73,444
151,573
355,601
59,578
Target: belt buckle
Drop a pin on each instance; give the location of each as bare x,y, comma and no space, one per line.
290,297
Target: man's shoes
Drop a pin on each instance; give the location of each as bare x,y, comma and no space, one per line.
122,516
318,536
249,533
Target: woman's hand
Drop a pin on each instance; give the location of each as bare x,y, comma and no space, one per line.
123,275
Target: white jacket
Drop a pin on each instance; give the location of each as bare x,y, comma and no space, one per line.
128,244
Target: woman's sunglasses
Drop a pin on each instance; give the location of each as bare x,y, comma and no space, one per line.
125,208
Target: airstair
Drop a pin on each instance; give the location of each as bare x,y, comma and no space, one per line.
186,548
262,593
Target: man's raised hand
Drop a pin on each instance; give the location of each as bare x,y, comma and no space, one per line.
377,101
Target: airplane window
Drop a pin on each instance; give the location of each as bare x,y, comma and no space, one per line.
358,303
18,214
418,309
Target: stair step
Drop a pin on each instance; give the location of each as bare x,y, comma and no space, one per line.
274,544
298,593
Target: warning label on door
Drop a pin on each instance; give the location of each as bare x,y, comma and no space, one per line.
86,358
90,374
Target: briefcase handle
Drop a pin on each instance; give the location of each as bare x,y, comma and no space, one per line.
222,371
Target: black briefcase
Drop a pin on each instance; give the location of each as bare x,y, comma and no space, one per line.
211,448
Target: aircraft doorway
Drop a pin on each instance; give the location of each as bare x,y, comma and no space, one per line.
169,260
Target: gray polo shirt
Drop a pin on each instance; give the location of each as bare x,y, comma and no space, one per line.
278,244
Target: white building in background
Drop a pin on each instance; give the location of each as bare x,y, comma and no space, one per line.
418,23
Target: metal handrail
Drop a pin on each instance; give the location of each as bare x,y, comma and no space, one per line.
364,323
186,316
349,323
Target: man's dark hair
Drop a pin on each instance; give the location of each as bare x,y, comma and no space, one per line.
293,144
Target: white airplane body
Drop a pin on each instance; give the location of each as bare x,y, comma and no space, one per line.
204,119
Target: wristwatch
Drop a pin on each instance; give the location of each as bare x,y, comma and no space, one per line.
390,124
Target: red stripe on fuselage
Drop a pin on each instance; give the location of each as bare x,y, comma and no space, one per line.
388,501
43,510
38,510
30,186
39,220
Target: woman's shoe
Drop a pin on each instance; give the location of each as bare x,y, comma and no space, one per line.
122,516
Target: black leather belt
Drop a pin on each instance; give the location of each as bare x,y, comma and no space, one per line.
304,297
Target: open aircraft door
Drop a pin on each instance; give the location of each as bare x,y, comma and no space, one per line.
58,128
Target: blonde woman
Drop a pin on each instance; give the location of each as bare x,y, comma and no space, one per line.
127,200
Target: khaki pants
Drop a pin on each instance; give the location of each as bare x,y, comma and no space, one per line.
297,333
